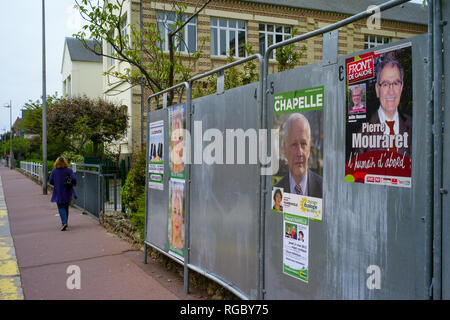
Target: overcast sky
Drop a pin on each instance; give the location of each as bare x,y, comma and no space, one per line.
21,50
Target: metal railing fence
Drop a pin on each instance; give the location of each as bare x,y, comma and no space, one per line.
32,168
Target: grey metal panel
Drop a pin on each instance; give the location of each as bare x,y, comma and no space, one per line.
330,45
92,186
277,284
362,225
224,198
79,189
446,165
158,200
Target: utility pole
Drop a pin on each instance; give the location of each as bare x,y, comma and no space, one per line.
11,155
44,108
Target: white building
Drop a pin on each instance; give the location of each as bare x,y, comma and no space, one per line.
81,70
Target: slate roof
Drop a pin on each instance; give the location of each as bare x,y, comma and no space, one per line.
78,52
408,12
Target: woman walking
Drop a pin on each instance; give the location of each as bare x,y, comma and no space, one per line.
63,179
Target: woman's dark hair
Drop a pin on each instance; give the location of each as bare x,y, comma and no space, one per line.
275,194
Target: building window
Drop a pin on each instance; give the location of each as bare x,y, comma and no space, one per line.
270,34
64,87
69,86
186,40
228,37
371,41
110,51
123,29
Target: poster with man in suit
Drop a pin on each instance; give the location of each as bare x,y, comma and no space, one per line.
299,117
379,141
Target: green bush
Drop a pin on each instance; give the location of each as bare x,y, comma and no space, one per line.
134,186
72,157
138,218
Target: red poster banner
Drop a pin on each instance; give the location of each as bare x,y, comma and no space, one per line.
379,117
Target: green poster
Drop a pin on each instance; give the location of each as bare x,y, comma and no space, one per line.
296,246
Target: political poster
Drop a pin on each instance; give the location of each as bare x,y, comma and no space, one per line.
177,125
297,186
296,246
156,155
379,117
176,217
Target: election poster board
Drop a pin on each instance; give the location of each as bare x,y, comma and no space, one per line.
177,125
295,246
156,155
379,117
297,186
176,217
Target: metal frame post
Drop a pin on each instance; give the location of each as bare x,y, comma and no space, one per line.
428,268
438,126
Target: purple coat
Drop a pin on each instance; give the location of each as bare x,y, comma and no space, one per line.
61,193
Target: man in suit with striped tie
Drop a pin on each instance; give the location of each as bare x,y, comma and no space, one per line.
389,87
297,148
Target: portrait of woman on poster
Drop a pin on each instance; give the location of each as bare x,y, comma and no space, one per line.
176,230
288,231
277,198
358,95
300,236
177,163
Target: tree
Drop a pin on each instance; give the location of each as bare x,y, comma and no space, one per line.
20,146
57,142
143,49
84,119
287,57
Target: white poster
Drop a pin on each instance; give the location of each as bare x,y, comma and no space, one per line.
295,246
156,156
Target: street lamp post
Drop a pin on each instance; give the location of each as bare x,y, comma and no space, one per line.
11,155
44,107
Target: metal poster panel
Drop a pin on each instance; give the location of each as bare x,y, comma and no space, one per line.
225,192
379,117
297,187
177,125
176,217
156,156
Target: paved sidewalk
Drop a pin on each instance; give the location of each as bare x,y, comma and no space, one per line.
10,284
53,263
